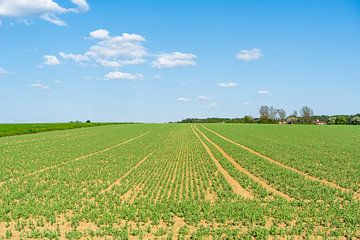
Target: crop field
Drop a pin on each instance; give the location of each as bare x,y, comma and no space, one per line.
28,128
182,181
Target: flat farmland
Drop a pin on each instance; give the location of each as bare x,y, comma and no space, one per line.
182,181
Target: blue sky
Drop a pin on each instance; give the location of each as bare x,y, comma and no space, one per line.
159,61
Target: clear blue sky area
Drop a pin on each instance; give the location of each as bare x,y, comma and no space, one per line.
159,61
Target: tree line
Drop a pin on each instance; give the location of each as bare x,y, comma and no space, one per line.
270,114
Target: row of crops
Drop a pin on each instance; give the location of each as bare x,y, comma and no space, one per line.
29,128
175,181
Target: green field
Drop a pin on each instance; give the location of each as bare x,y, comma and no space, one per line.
182,181
28,128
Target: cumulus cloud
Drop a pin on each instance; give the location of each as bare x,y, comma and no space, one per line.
174,59
51,60
82,5
99,34
117,51
52,18
249,55
264,92
123,46
204,98
119,63
74,57
39,86
183,99
122,76
228,84
46,9
112,52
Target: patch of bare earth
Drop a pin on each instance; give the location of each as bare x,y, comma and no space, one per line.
131,195
210,194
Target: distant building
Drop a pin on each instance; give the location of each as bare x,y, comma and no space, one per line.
318,122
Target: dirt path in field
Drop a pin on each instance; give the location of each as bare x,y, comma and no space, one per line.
76,159
260,181
305,175
117,181
237,188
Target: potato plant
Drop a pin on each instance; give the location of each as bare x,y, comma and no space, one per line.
164,181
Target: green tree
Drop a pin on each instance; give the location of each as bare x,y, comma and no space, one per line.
341,120
355,120
331,120
248,119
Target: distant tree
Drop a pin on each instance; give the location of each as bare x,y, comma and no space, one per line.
355,120
248,119
306,113
273,113
282,114
264,113
295,113
88,121
291,120
331,120
340,120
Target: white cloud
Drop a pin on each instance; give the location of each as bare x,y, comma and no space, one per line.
174,59
99,34
107,63
211,105
39,86
246,103
249,55
122,76
3,71
116,64
204,98
21,8
228,84
82,5
52,18
51,60
57,82
263,92
46,9
126,46
183,99
112,52
74,57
